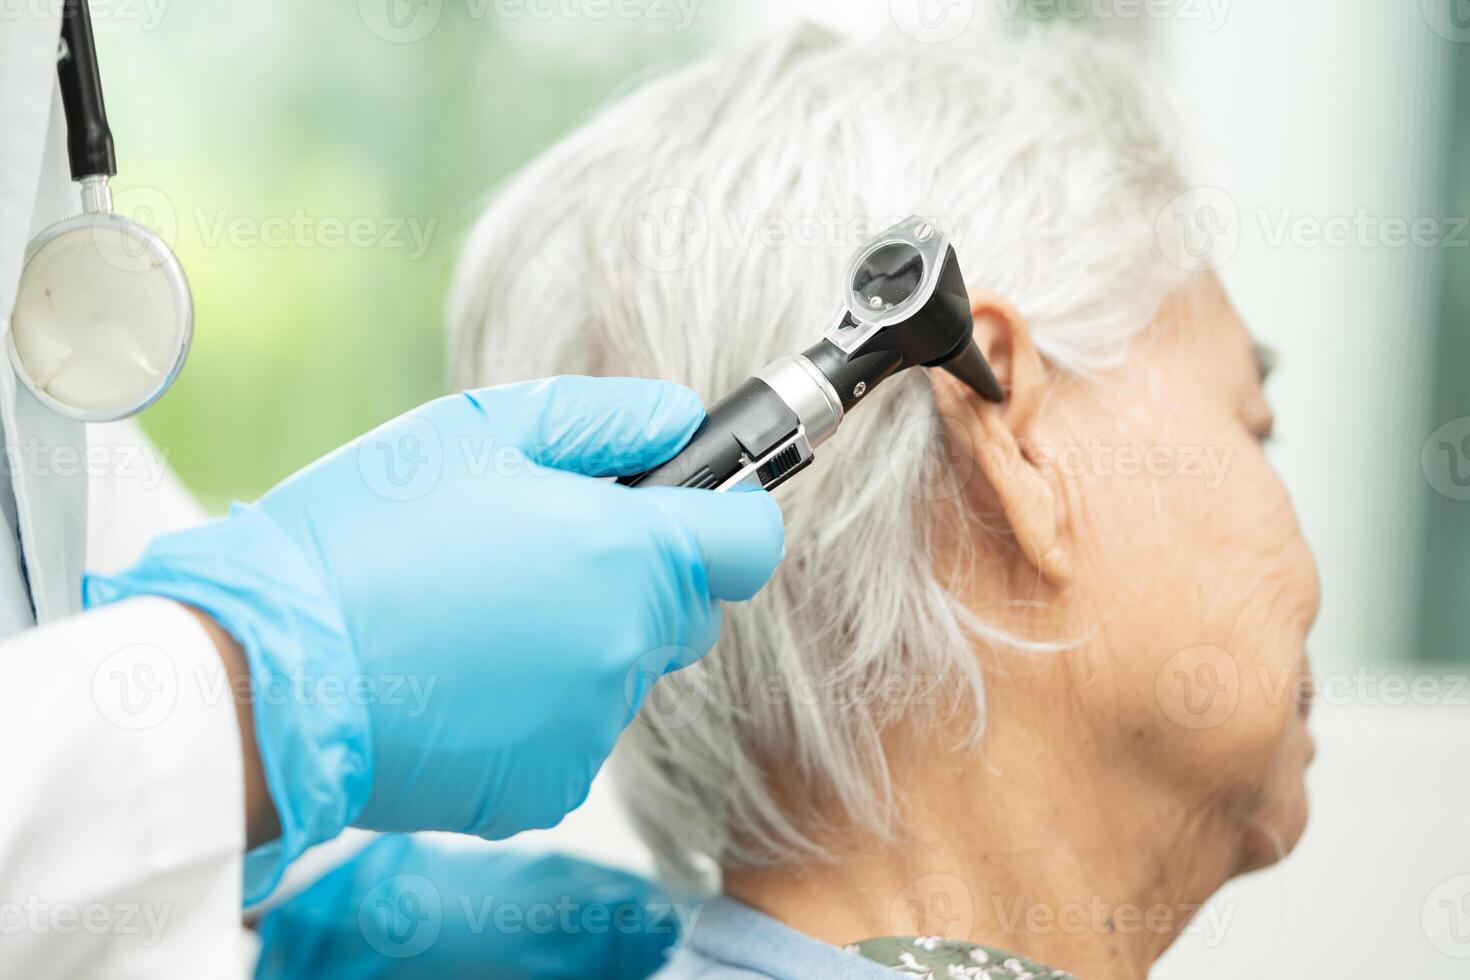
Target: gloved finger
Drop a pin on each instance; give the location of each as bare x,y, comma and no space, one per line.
740,534
593,426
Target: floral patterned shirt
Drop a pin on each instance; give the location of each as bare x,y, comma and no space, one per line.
936,958
730,940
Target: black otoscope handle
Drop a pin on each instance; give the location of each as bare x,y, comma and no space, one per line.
88,140
747,425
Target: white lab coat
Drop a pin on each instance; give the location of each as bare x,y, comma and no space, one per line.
121,791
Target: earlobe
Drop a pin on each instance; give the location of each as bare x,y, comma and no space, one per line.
1009,479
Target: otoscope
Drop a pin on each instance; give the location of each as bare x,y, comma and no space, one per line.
904,305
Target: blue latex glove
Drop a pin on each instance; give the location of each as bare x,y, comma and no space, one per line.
405,907
448,623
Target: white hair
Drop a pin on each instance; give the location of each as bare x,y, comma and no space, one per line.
1046,161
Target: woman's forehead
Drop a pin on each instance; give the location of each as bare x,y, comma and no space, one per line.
1199,324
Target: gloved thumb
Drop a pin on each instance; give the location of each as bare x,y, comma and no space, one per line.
592,426
740,534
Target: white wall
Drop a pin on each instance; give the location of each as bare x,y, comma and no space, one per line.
1363,894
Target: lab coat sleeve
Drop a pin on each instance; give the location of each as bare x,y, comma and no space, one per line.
121,828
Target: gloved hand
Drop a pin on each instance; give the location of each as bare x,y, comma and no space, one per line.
408,907
448,623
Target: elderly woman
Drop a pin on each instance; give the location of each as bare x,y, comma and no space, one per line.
1020,698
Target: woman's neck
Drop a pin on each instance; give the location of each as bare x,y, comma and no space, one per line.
1024,849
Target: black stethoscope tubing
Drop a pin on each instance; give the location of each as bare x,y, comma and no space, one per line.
88,138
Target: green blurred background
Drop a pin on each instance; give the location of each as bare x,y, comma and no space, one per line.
256,136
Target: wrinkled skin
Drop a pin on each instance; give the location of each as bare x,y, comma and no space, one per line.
1136,519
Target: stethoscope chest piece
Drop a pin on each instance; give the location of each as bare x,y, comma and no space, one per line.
103,315
103,318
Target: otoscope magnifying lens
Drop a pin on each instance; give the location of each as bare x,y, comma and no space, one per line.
888,276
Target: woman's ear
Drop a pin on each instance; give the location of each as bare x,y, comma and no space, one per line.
1011,484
